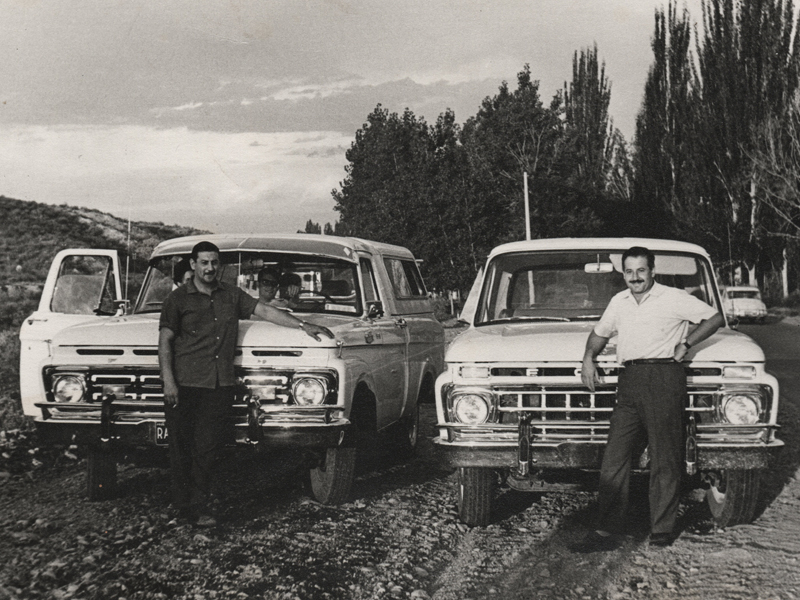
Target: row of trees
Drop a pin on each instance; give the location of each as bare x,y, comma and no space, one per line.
453,192
713,151
716,158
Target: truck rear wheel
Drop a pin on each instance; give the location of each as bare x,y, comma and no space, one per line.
332,480
475,495
407,433
733,495
101,474
408,426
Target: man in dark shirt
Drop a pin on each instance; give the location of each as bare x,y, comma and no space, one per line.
197,340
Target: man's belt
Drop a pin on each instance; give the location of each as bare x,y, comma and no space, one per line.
650,361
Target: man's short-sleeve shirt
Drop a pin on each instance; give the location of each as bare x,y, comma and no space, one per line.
653,327
206,329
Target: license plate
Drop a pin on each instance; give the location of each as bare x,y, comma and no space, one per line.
162,438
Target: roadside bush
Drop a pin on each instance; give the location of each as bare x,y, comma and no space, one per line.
792,300
11,416
15,306
441,309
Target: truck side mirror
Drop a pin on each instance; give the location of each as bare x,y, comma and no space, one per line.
123,307
374,310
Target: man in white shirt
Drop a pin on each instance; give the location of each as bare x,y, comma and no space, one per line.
652,324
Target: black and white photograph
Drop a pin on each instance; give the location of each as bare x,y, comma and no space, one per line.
416,300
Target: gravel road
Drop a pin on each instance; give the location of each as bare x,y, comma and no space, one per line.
398,538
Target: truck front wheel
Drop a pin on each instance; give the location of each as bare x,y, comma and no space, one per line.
475,495
332,479
101,474
732,496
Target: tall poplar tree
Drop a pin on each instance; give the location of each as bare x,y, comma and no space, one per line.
602,168
747,72
663,130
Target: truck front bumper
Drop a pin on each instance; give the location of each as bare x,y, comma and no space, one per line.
589,455
315,427
148,434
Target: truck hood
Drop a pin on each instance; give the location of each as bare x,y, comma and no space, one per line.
566,342
142,330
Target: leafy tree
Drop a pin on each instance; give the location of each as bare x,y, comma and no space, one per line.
748,69
382,196
700,120
512,134
586,100
663,130
311,227
602,171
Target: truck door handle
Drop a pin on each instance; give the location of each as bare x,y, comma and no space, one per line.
401,323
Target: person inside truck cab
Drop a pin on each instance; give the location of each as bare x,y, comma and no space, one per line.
198,331
182,272
268,282
289,288
276,289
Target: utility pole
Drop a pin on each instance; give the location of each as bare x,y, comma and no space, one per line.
527,208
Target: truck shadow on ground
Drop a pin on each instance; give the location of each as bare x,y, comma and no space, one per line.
255,480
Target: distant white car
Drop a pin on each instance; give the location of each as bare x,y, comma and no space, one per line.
743,302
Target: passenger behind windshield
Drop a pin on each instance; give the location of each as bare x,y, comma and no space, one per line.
182,273
271,282
289,288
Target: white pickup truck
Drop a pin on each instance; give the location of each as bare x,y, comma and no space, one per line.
511,406
89,369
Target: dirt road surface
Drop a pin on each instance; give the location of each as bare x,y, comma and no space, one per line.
398,538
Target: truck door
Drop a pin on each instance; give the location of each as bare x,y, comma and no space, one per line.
82,285
413,312
389,351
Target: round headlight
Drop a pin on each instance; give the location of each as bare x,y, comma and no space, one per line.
308,391
471,409
741,409
69,388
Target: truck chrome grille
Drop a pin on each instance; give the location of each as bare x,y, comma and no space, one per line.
572,413
139,393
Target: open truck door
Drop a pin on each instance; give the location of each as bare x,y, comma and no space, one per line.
82,285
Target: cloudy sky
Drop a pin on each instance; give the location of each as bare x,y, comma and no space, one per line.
234,115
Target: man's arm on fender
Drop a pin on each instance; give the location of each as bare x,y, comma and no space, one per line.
704,330
594,346
286,319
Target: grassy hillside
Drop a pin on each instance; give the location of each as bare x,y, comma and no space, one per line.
30,236
31,233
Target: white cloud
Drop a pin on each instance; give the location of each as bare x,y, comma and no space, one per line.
223,182
189,106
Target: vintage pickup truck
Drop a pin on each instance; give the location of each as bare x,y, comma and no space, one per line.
89,369
511,406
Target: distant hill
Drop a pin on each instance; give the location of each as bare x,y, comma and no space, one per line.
32,233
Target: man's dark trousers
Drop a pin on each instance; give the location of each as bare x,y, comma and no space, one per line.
198,430
651,401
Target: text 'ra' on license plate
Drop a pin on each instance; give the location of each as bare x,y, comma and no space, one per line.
162,438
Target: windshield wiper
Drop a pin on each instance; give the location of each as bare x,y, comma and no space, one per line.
586,317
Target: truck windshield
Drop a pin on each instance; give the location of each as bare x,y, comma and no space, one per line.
571,286
305,284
